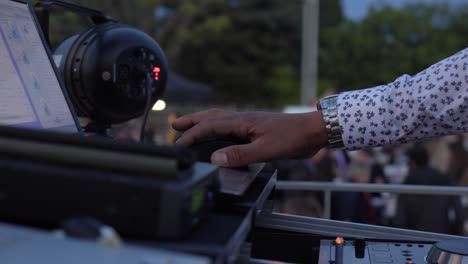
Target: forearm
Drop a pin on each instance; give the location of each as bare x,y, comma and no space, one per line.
432,103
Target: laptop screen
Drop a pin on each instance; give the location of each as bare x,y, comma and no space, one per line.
30,93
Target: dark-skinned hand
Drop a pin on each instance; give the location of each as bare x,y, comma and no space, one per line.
271,135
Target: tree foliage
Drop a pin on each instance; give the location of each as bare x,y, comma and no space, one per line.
250,50
390,42
237,48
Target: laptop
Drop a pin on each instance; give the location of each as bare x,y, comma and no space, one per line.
31,92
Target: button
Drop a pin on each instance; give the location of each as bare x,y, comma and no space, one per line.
381,255
383,260
106,76
380,248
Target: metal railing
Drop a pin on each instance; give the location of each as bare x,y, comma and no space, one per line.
328,187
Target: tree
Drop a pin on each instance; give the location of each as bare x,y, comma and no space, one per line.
137,13
238,49
331,13
388,43
237,46
249,50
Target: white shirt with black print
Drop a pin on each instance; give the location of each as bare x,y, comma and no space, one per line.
432,103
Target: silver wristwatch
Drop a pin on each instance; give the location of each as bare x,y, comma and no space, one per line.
328,106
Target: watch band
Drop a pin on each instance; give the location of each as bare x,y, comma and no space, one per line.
328,106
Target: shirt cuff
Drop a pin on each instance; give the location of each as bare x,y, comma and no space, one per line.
362,118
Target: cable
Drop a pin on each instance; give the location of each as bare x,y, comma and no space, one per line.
147,108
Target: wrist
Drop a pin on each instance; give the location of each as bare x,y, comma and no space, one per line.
317,135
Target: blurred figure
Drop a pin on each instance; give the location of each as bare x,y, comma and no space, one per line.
355,206
458,159
342,160
379,200
432,213
320,167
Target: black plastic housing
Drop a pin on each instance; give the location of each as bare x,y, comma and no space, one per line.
105,71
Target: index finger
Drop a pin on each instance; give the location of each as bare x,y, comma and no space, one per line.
187,121
211,126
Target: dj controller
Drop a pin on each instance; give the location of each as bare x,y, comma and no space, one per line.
360,251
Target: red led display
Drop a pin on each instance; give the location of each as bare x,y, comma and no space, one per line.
156,71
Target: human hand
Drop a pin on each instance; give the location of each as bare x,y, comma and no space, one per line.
271,135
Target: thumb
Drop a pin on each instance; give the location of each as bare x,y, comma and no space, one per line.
235,156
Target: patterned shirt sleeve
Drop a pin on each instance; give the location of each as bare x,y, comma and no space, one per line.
432,103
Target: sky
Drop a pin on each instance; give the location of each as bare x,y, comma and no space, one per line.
357,9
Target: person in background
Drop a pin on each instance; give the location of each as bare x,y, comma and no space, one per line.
378,200
320,168
355,206
458,158
431,213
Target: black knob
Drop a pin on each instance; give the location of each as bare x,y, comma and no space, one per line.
359,248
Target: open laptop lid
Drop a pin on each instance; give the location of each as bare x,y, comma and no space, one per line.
31,93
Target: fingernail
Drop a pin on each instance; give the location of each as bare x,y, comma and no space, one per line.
219,158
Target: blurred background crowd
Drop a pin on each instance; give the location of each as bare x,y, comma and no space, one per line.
246,55
441,162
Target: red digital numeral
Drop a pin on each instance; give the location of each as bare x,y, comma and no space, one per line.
156,71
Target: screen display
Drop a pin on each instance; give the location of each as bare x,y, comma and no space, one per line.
30,93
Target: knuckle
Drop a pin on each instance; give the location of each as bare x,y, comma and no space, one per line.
245,124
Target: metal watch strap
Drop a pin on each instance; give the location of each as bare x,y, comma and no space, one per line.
329,108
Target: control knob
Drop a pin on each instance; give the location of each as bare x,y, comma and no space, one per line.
448,252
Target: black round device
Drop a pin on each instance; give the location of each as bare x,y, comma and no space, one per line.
111,70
